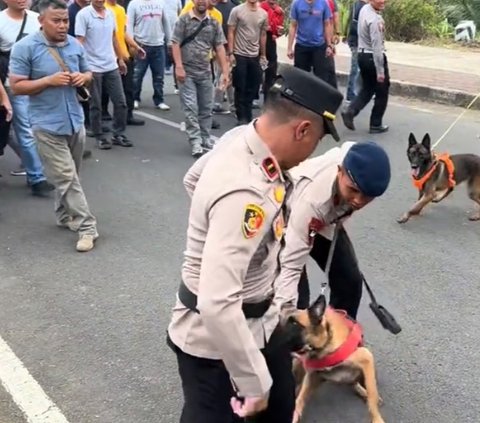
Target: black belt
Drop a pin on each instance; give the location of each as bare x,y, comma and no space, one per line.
250,310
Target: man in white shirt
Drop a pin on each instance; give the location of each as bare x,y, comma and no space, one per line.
148,24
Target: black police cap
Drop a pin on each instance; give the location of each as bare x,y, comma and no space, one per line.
309,91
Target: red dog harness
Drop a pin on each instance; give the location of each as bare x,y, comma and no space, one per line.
353,341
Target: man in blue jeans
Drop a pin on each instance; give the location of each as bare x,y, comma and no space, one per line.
15,23
352,40
148,24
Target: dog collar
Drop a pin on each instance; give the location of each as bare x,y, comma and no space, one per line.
353,341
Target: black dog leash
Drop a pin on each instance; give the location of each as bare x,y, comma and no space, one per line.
385,318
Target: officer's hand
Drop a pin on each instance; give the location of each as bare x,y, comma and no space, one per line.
381,79
250,405
180,74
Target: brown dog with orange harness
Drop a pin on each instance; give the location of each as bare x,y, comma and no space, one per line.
330,347
435,176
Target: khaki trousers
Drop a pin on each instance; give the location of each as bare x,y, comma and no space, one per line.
62,157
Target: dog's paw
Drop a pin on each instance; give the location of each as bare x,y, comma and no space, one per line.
403,218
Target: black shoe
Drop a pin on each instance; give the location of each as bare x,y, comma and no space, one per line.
215,124
135,122
106,116
87,154
122,141
378,129
348,120
104,144
42,188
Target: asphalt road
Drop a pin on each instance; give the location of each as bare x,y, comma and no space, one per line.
90,327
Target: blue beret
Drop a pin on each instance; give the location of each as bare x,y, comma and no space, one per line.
368,165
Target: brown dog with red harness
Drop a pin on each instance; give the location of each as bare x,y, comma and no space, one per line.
329,347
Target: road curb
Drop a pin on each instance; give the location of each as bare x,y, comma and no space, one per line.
424,93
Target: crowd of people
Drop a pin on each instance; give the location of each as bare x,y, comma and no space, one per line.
222,56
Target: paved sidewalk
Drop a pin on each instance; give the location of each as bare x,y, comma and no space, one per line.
421,72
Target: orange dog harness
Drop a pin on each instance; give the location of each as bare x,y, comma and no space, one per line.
447,161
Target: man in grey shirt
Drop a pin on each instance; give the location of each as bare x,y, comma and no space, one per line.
247,37
95,29
193,72
373,65
149,25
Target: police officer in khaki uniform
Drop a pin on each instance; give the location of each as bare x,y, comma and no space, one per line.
328,189
373,65
224,328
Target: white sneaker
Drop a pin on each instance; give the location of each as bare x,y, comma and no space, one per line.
163,106
177,91
136,105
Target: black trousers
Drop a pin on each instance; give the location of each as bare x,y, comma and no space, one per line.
127,82
371,86
271,71
207,388
247,77
345,278
308,58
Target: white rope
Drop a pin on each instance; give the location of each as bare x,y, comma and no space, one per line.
456,120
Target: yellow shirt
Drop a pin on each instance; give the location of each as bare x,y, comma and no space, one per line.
213,12
121,24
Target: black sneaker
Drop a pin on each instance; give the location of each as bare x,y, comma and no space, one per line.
131,121
122,141
42,188
104,144
87,154
378,129
348,120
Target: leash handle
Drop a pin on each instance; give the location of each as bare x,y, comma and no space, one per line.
328,264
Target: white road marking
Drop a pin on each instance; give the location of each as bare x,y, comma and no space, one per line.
167,122
25,391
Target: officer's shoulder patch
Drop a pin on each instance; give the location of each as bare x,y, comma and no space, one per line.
253,220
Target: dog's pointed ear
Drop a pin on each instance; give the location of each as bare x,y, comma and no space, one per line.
317,310
426,141
411,140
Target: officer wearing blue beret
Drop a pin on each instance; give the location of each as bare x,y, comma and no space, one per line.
328,189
